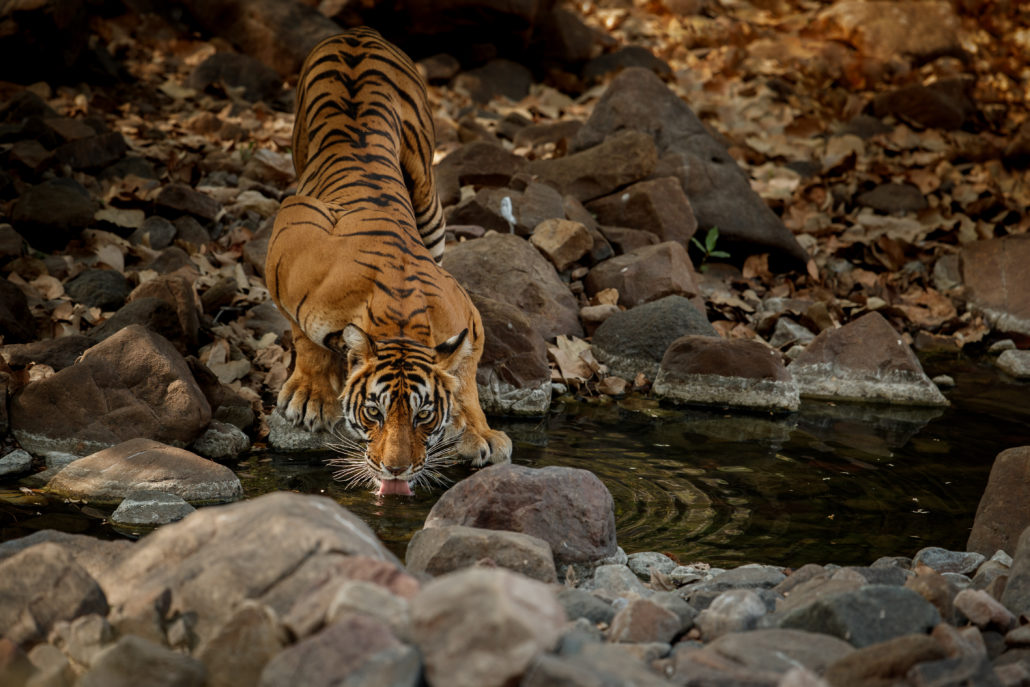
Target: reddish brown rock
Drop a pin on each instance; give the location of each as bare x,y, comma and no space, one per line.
625,239
865,360
535,502
133,384
563,241
996,273
658,206
477,163
644,621
885,28
440,550
619,160
646,274
514,377
1004,510
885,663
181,198
941,105
178,293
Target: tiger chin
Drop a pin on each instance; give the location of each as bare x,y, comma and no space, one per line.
386,342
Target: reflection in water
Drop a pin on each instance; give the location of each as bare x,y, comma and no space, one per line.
832,483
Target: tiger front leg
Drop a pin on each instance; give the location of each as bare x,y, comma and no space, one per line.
479,444
310,397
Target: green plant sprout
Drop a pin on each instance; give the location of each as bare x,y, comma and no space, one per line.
708,248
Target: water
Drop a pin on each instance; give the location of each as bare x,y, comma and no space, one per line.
832,483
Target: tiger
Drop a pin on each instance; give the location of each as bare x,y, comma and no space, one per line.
386,342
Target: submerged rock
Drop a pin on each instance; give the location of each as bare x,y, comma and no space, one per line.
739,373
865,360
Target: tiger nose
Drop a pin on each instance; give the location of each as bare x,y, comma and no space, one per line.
396,471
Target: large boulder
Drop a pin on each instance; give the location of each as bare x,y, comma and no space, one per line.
996,273
270,549
634,341
865,360
514,377
507,268
719,192
108,476
569,508
1004,510
133,384
483,627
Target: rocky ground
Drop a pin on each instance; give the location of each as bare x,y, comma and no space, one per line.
726,204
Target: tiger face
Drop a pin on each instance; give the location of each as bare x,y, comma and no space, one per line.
398,410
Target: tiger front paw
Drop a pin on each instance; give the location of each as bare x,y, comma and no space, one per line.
310,403
491,446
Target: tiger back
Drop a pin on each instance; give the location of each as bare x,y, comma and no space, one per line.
386,341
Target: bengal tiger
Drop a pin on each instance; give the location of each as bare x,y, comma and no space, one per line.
386,341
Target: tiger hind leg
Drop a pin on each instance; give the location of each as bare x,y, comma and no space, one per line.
310,397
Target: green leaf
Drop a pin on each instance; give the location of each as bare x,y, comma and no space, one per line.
711,238
719,254
698,244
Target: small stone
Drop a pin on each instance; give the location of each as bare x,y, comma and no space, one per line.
644,562
1002,346
182,198
579,603
241,648
944,381
984,611
1015,363
884,662
104,289
735,610
440,550
643,620
563,241
613,386
614,581
150,509
893,198
15,462
943,561
221,441
83,638
657,205
789,332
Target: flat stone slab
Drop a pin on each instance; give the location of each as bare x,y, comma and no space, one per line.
149,509
107,476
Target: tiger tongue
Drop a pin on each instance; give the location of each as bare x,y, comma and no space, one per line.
394,486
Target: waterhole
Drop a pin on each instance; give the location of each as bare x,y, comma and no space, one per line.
832,483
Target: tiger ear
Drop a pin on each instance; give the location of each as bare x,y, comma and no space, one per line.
360,346
454,351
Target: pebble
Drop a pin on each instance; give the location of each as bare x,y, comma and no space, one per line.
15,462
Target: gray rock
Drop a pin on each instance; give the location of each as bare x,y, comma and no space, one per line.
483,627
56,460
283,436
865,360
944,561
440,550
52,212
514,377
594,666
656,205
107,477
634,341
607,165
122,665
221,441
787,331
535,502
15,462
156,233
238,652
750,576
181,198
397,666
644,562
870,614
104,289
358,597
41,586
83,638
883,662
579,603
95,556
225,69
327,658
614,581
1016,596
735,610
150,509
16,323
57,353
1015,363
738,373
892,197
984,611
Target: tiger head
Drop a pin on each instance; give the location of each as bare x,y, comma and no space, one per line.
398,404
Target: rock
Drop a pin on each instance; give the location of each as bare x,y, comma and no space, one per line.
624,57
579,603
788,332
884,663
269,549
944,561
104,289
984,611
644,562
110,475
156,232
1004,510
719,192
642,620
15,462
41,586
865,616
150,509
564,37
483,627
124,663
739,373
221,441
615,580
535,502
508,269
177,292
1015,363
514,377
893,198
562,241
543,133
496,78
935,588
479,163
944,104
53,212
57,353
440,550
1016,596
137,376
492,209
397,666
635,340
758,657
373,600
16,323
155,314
283,436
180,198
865,360
885,29
992,271
657,205
95,556
239,651
328,657
626,240
92,153
596,664
609,164
645,274
231,72
734,610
